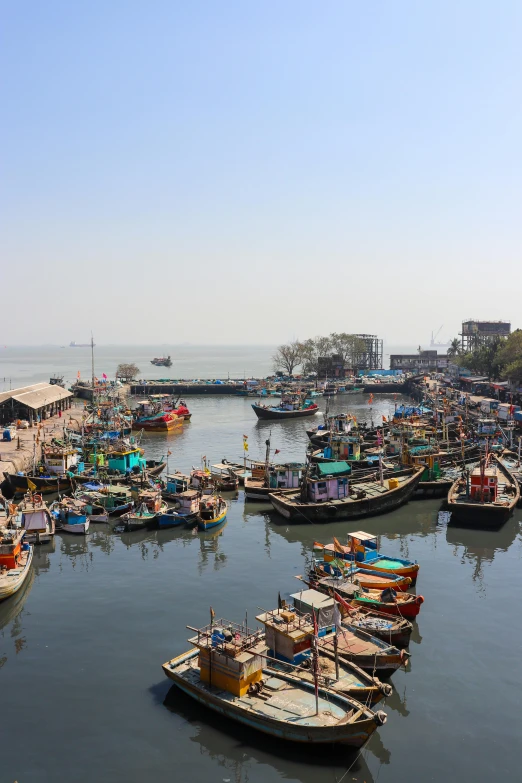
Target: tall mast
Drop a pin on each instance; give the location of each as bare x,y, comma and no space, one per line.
92,362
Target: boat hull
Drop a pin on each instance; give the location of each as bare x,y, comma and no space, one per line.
208,524
79,529
339,510
272,414
354,735
12,582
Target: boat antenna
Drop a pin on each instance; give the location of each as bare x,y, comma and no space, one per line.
92,364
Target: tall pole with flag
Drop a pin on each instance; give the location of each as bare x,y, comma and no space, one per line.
245,450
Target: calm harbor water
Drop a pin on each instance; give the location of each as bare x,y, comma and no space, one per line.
81,648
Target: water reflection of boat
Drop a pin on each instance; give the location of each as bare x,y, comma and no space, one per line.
482,545
237,748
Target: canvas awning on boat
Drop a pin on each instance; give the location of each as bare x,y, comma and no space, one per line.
333,469
36,520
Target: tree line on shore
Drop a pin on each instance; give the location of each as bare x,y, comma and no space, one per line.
500,359
305,355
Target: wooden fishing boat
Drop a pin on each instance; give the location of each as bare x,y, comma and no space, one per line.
15,561
368,579
485,497
333,499
71,516
392,629
353,645
32,515
267,478
212,511
19,484
149,506
387,601
289,638
225,672
512,462
292,406
162,421
362,550
224,478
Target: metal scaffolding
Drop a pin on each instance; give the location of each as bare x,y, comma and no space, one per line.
371,358
475,334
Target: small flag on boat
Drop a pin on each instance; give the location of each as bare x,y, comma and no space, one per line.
338,547
318,547
212,615
169,453
384,418
277,451
245,445
78,374
279,602
104,376
245,437
31,486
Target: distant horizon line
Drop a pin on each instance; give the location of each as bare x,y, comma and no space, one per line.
172,345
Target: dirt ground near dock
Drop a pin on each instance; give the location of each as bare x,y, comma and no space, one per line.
18,454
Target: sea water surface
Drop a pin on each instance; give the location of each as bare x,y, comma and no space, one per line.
83,695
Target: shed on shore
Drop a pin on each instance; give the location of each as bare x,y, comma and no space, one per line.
36,402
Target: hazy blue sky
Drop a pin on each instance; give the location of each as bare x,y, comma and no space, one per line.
236,172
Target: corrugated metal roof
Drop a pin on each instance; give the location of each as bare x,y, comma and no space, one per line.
36,396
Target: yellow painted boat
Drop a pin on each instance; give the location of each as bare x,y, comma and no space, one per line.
212,512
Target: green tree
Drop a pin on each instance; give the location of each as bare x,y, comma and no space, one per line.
510,357
312,349
349,346
454,349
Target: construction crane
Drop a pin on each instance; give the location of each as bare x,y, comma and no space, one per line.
434,336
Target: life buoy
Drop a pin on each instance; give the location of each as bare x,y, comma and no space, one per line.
37,500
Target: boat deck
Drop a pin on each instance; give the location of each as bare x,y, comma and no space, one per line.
279,700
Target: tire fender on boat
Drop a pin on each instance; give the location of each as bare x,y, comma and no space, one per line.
419,600
380,718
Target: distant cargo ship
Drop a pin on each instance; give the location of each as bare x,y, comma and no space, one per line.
81,345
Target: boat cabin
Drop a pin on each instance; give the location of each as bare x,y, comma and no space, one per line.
343,447
332,484
288,635
230,656
151,498
487,426
340,424
58,460
188,502
126,461
177,483
284,476
484,485
10,548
